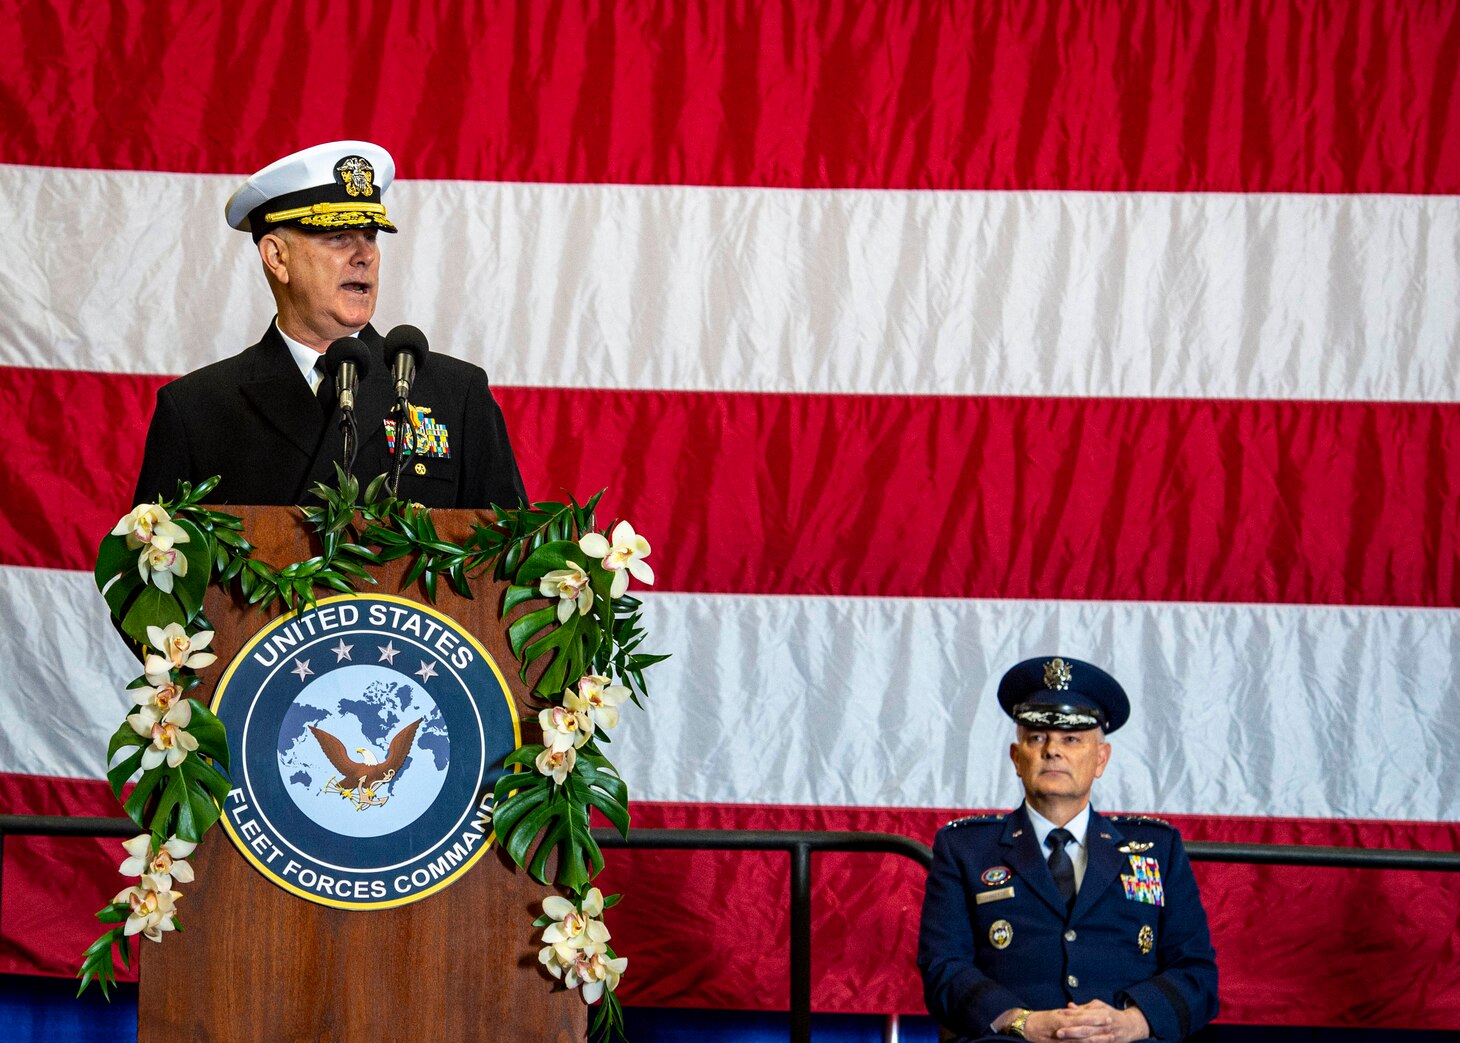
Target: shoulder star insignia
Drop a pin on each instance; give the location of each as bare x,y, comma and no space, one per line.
1141,820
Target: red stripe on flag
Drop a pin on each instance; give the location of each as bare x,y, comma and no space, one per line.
69,462
1161,500
1117,95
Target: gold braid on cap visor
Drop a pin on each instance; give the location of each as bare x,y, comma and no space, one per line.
333,215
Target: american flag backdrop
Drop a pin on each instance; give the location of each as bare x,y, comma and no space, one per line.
919,338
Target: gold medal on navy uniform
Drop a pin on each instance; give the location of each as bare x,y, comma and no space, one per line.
1001,934
1146,939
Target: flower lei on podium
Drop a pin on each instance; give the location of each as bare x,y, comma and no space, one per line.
153,570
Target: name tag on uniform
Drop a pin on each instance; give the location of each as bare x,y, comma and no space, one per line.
993,896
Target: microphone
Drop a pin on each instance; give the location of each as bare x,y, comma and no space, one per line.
348,361
405,354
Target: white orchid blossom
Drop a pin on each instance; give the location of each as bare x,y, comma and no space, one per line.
149,524
570,586
170,739
624,556
557,764
557,958
152,911
178,650
598,973
575,949
161,697
159,564
571,926
601,699
161,868
568,726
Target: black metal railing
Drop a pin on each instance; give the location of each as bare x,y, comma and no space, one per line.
801,845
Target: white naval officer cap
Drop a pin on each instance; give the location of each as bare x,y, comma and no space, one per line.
335,185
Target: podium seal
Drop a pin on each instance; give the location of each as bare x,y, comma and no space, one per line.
365,734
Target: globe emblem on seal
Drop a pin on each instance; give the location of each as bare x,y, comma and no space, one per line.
391,734
365,735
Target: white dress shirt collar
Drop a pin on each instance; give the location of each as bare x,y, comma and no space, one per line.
305,357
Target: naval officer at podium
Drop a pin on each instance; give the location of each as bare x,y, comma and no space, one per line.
264,419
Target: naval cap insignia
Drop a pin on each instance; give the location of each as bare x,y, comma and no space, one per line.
1057,674
357,175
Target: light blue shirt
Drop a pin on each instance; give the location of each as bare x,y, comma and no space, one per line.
1078,826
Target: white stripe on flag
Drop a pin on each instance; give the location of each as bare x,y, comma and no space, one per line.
1238,709
67,671
733,289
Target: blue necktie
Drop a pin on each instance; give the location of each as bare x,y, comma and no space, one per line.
1060,866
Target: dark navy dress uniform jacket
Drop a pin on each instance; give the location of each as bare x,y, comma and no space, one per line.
1053,958
253,420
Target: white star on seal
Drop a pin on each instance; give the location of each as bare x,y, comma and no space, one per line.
427,671
388,652
301,667
342,651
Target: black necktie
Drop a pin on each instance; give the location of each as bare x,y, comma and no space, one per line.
1060,866
325,393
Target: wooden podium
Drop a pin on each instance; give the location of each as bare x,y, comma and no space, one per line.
254,962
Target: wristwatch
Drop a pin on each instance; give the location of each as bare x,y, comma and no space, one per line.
1016,1027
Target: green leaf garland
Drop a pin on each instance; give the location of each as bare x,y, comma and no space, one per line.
534,816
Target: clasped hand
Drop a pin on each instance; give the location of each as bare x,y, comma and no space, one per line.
1094,1022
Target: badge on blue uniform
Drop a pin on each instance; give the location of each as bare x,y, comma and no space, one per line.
995,876
1001,934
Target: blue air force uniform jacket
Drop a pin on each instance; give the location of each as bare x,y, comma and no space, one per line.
995,933
252,419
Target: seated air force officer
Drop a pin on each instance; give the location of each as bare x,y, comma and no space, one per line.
1054,921
255,418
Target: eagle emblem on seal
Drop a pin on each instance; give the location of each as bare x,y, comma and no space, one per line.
360,780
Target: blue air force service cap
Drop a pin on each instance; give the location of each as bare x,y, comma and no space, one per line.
1063,694
323,188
